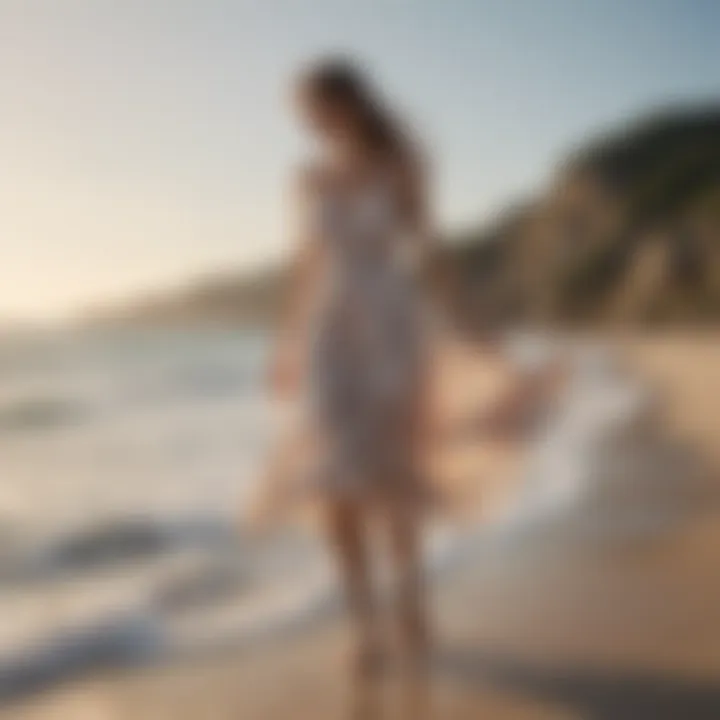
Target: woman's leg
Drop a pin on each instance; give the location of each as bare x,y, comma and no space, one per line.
404,527
348,534
406,512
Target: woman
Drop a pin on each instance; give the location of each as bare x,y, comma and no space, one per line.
355,317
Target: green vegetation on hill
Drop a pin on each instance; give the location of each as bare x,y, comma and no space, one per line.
630,232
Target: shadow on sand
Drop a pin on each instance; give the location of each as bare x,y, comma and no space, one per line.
594,695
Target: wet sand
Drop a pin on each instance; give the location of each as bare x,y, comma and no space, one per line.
595,613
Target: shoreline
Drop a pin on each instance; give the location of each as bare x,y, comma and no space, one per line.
607,609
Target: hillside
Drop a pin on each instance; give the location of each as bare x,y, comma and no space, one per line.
228,299
628,232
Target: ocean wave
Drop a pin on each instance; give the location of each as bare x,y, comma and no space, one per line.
187,383
127,541
212,609
172,386
111,644
41,413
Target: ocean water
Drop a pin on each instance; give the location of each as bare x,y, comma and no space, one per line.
103,424
126,460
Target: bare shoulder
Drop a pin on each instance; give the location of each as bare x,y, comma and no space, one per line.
310,180
307,191
412,176
415,164
409,168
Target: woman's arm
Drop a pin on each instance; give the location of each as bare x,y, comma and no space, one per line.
430,258
415,197
303,275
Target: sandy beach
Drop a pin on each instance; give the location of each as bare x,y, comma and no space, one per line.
594,612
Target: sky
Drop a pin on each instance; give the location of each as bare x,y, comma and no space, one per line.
147,142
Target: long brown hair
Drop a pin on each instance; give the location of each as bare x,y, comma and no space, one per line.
338,81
